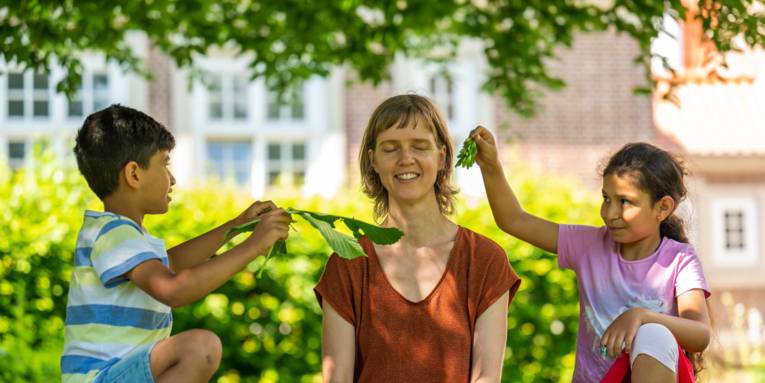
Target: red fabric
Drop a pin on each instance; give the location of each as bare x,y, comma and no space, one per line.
620,370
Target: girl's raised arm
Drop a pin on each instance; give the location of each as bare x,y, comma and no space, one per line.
507,211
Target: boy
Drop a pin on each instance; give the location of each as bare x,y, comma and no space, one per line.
124,282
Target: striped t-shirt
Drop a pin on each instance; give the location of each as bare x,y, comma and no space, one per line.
107,315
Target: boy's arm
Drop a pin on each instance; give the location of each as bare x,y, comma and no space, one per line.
691,328
199,249
192,283
507,211
489,342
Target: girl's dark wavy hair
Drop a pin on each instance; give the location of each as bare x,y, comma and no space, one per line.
658,173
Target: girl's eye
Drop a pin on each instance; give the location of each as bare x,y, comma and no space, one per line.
605,199
625,202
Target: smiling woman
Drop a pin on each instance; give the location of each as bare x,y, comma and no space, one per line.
432,306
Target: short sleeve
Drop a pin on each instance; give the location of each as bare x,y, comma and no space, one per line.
498,278
690,274
336,288
572,239
119,247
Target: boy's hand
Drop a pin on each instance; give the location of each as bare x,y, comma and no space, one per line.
487,148
274,225
254,211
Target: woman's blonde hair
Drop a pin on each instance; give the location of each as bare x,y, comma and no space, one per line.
406,110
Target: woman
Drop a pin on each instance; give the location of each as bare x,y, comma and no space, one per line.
433,306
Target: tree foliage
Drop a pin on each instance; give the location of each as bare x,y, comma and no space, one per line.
291,40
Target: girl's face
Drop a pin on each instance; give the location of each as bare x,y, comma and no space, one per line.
628,211
407,161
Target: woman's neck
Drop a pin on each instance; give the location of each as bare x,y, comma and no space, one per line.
422,224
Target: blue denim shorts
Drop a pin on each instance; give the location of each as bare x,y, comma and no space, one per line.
133,368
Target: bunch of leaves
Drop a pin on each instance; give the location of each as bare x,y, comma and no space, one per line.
287,42
342,244
466,156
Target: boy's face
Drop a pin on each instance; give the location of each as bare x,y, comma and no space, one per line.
157,183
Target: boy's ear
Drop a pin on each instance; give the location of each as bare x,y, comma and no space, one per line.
132,175
665,206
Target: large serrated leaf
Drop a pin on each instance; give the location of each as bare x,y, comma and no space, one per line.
342,244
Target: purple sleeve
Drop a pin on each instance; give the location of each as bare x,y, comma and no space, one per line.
690,274
572,241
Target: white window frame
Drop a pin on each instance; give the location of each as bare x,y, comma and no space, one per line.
230,96
229,165
29,95
88,95
285,112
441,88
287,165
18,163
748,256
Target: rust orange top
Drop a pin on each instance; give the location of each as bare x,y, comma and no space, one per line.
398,340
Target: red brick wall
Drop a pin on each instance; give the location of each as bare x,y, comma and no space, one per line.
592,116
160,87
361,99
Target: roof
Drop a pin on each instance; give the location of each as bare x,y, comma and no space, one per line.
719,112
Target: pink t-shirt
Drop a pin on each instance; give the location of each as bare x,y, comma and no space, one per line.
610,285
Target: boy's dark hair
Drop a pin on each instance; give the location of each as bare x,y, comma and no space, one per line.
112,137
656,172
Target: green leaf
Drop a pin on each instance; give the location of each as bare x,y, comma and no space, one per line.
466,156
236,230
376,234
342,244
278,249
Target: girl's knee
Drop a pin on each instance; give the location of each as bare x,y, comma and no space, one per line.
657,342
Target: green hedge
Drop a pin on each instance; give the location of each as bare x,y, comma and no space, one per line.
270,327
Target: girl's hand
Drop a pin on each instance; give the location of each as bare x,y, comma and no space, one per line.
487,147
254,211
622,331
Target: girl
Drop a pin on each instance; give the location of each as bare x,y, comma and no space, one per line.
641,286
433,306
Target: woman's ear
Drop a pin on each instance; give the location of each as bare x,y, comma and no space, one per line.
665,206
131,174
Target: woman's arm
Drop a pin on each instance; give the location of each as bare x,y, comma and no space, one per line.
338,347
489,342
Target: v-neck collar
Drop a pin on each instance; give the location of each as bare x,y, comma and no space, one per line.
449,263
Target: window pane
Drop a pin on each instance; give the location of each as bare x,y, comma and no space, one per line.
274,151
100,82
40,108
298,151
40,81
216,110
273,110
100,103
15,81
16,108
297,111
75,108
240,110
241,151
16,150
273,177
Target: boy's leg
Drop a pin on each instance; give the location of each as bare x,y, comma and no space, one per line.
654,355
190,356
